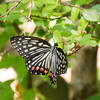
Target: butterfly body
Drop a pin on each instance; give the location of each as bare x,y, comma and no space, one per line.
40,55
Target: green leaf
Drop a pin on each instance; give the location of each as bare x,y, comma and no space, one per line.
48,10
64,30
12,17
29,95
21,70
64,21
57,38
6,92
38,4
83,2
75,12
92,43
96,7
91,15
48,1
83,23
85,39
3,8
4,37
69,65
94,97
68,47
7,61
58,1
99,43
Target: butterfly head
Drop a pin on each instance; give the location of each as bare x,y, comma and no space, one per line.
56,44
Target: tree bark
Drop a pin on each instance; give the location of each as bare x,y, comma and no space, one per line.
84,74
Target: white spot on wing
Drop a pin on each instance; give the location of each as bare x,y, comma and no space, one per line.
29,45
34,41
28,38
44,45
26,50
40,44
19,38
20,44
33,48
29,61
24,46
29,66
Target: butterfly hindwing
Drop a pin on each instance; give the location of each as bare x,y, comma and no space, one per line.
58,65
61,62
39,64
28,46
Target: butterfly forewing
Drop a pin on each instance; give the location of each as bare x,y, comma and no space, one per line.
28,46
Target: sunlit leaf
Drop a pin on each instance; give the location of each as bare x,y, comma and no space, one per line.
85,39
91,15
75,12
57,38
48,10
92,43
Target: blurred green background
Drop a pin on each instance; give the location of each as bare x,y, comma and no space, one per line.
74,21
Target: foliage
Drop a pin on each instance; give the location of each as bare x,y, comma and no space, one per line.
53,19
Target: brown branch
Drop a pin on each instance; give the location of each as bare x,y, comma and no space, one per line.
4,52
95,37
30,11
29,20
10,9
48,18
71,5
74,49
11,1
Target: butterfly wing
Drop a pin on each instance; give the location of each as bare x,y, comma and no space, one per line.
28,46
36,52
58,65
39,64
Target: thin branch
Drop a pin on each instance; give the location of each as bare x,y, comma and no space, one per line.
29,20
30,11
48,18
11,9
11,1
95,37
71,5
74,51
6,51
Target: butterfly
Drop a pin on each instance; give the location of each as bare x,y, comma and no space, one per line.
40,55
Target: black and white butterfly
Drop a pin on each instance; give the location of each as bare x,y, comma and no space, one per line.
40,55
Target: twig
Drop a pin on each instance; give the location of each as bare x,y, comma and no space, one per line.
11,1
11,9
4,52
29,20
71,5
48,18
74,51
30,11
95,37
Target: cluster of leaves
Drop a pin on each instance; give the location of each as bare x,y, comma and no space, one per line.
53,20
